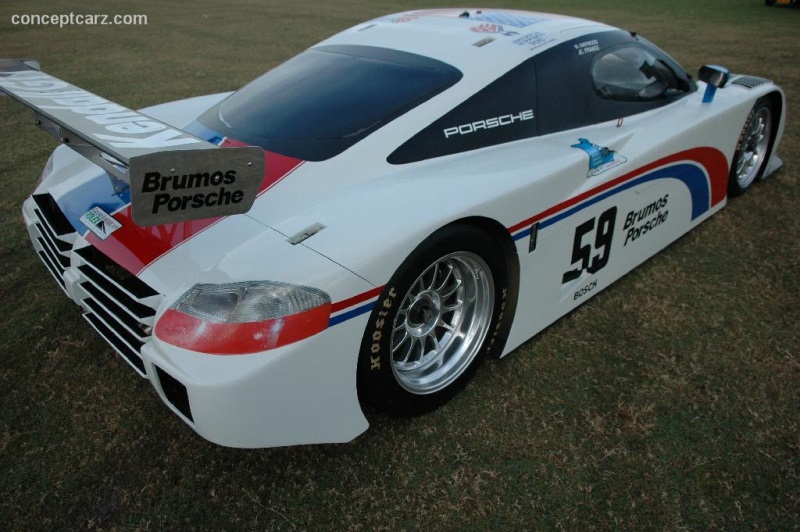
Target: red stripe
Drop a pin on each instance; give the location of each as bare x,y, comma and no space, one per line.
135,247
355,300
712,159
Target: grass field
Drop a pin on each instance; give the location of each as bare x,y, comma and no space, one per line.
670,401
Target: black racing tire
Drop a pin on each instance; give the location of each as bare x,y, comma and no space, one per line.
434,323
769,2
753,149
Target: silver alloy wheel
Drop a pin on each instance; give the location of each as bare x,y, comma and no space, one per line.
442,322
753,147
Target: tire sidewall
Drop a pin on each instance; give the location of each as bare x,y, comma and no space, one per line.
377,383
734,189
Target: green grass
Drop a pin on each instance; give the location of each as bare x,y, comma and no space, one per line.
670,401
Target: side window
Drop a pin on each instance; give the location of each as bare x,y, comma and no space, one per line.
630,73
604,76
503,111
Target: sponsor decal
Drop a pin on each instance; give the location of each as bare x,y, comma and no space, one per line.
587,47
112,123
493,28
585,290
175,186
381,323
601,159
500,317
518,20
165,200
483,42
100,223
488,123
639,222
404,18
534,40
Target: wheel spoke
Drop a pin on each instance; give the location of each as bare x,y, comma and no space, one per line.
443,324
447,277
453,290
436,334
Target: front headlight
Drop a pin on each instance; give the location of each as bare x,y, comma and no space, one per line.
246,317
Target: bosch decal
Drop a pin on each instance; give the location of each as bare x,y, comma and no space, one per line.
601,158
488,123
585,290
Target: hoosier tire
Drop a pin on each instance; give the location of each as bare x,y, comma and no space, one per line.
753,149
434,323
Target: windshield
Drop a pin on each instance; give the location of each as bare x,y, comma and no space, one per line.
323,101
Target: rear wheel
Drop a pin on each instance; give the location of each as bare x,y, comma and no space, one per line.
434,322
755,142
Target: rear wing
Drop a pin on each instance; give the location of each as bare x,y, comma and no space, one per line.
139,152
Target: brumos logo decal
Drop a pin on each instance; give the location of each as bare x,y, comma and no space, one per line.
169,190
601,159
639,222
488,123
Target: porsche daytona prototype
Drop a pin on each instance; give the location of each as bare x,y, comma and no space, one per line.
370,220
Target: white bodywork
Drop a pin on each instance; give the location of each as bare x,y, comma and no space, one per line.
375,214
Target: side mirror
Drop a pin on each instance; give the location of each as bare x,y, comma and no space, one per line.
715,77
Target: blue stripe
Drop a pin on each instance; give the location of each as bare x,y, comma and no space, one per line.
335,320
689,174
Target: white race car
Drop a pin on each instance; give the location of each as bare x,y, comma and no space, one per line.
371,219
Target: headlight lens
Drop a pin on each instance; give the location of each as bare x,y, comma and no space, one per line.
247,317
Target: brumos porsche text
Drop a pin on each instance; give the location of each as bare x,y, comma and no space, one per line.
162,185
488,123
639,222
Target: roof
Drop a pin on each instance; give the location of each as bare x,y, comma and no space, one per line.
469,39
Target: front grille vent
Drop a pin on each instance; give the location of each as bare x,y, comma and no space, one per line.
118,305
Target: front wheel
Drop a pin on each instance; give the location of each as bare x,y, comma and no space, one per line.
434,322
753,149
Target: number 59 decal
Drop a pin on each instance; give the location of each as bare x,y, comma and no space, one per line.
582,254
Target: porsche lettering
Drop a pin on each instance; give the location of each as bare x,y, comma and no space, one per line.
196,201
488,123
